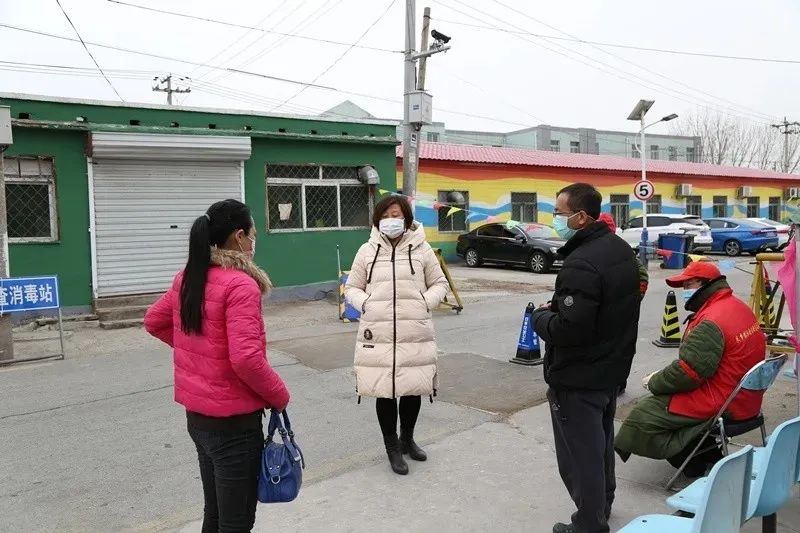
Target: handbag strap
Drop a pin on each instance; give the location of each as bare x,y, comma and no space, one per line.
284,428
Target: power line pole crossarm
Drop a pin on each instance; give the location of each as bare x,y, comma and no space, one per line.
789,128
166,81
417,104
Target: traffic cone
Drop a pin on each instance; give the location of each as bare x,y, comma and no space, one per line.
528,350
670,325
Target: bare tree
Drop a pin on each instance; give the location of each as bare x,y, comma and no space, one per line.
729,140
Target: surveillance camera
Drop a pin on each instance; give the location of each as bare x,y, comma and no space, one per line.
440,36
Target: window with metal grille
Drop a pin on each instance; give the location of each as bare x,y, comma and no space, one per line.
654,151
575,147
620,208
30,199
524,207
694,206
635,151
312,197
753,207
774,210
555,145
720,207
690,155
673,153
457,222
654,204
433,137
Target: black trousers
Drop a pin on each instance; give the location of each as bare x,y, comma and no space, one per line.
230,460
387,414
583,427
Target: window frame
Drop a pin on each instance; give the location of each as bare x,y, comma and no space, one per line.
715,205
694,200
555,145
615,204
654,152
574,147
52,194
522,204
775,202
655,204
442,193
320,181
753,202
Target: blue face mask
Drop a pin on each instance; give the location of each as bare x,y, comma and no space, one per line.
688,293
560,224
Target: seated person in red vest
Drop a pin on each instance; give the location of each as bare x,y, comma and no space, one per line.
721,343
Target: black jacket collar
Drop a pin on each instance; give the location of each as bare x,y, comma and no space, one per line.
587,234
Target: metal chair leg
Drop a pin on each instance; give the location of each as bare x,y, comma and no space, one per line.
689,458
723,437
763,435
769,524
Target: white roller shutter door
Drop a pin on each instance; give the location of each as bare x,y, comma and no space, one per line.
143,213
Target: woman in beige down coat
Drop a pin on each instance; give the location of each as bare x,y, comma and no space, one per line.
396,282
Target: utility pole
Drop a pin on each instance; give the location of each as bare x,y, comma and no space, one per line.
6,327
166,81
417,104
789,128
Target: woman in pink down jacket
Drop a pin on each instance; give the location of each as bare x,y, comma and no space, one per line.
212,319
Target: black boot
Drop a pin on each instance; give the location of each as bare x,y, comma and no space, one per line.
393,450
410,447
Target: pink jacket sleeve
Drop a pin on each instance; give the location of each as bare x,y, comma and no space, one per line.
247,353
158,319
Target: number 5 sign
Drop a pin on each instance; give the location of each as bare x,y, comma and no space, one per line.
644,190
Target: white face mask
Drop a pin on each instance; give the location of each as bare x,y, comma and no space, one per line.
392,227
252,251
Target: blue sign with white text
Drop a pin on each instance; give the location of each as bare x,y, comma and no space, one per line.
28,294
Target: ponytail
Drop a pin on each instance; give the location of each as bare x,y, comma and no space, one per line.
212,229
193,286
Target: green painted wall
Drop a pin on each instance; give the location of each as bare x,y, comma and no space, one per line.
308,257
70,256
105,114
290,258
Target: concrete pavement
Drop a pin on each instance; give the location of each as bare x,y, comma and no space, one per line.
95,443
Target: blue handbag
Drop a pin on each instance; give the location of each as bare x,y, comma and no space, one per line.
282,463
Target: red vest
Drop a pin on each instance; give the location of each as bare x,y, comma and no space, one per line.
745,346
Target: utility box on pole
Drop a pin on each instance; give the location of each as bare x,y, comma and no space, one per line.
420,108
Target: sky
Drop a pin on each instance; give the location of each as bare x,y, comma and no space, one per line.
497,77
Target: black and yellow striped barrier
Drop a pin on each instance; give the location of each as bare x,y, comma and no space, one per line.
670,325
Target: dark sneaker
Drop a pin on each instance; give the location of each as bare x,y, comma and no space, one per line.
563,528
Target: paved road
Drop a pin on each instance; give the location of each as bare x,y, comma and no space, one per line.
94,443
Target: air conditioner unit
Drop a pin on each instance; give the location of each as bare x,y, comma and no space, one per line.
792,193
744,192
684,189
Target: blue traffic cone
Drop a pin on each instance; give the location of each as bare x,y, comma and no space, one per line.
528,350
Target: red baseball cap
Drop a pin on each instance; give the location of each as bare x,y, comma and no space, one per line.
699,269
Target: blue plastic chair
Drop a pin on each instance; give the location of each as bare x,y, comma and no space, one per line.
775,471
759,378
722,507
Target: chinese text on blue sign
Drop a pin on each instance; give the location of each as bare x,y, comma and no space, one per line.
28,294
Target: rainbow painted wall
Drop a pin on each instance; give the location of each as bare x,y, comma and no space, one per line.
490,187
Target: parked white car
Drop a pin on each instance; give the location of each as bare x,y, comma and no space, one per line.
780,227
658,224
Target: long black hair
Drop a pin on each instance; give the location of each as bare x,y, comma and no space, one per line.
211,229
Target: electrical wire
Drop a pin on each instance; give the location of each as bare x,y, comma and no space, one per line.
166,58
343,54
89,51
627,46
595,63
625,60
256,28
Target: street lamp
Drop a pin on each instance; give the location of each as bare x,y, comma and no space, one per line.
639,113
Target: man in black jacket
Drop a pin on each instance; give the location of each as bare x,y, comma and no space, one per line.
589,328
